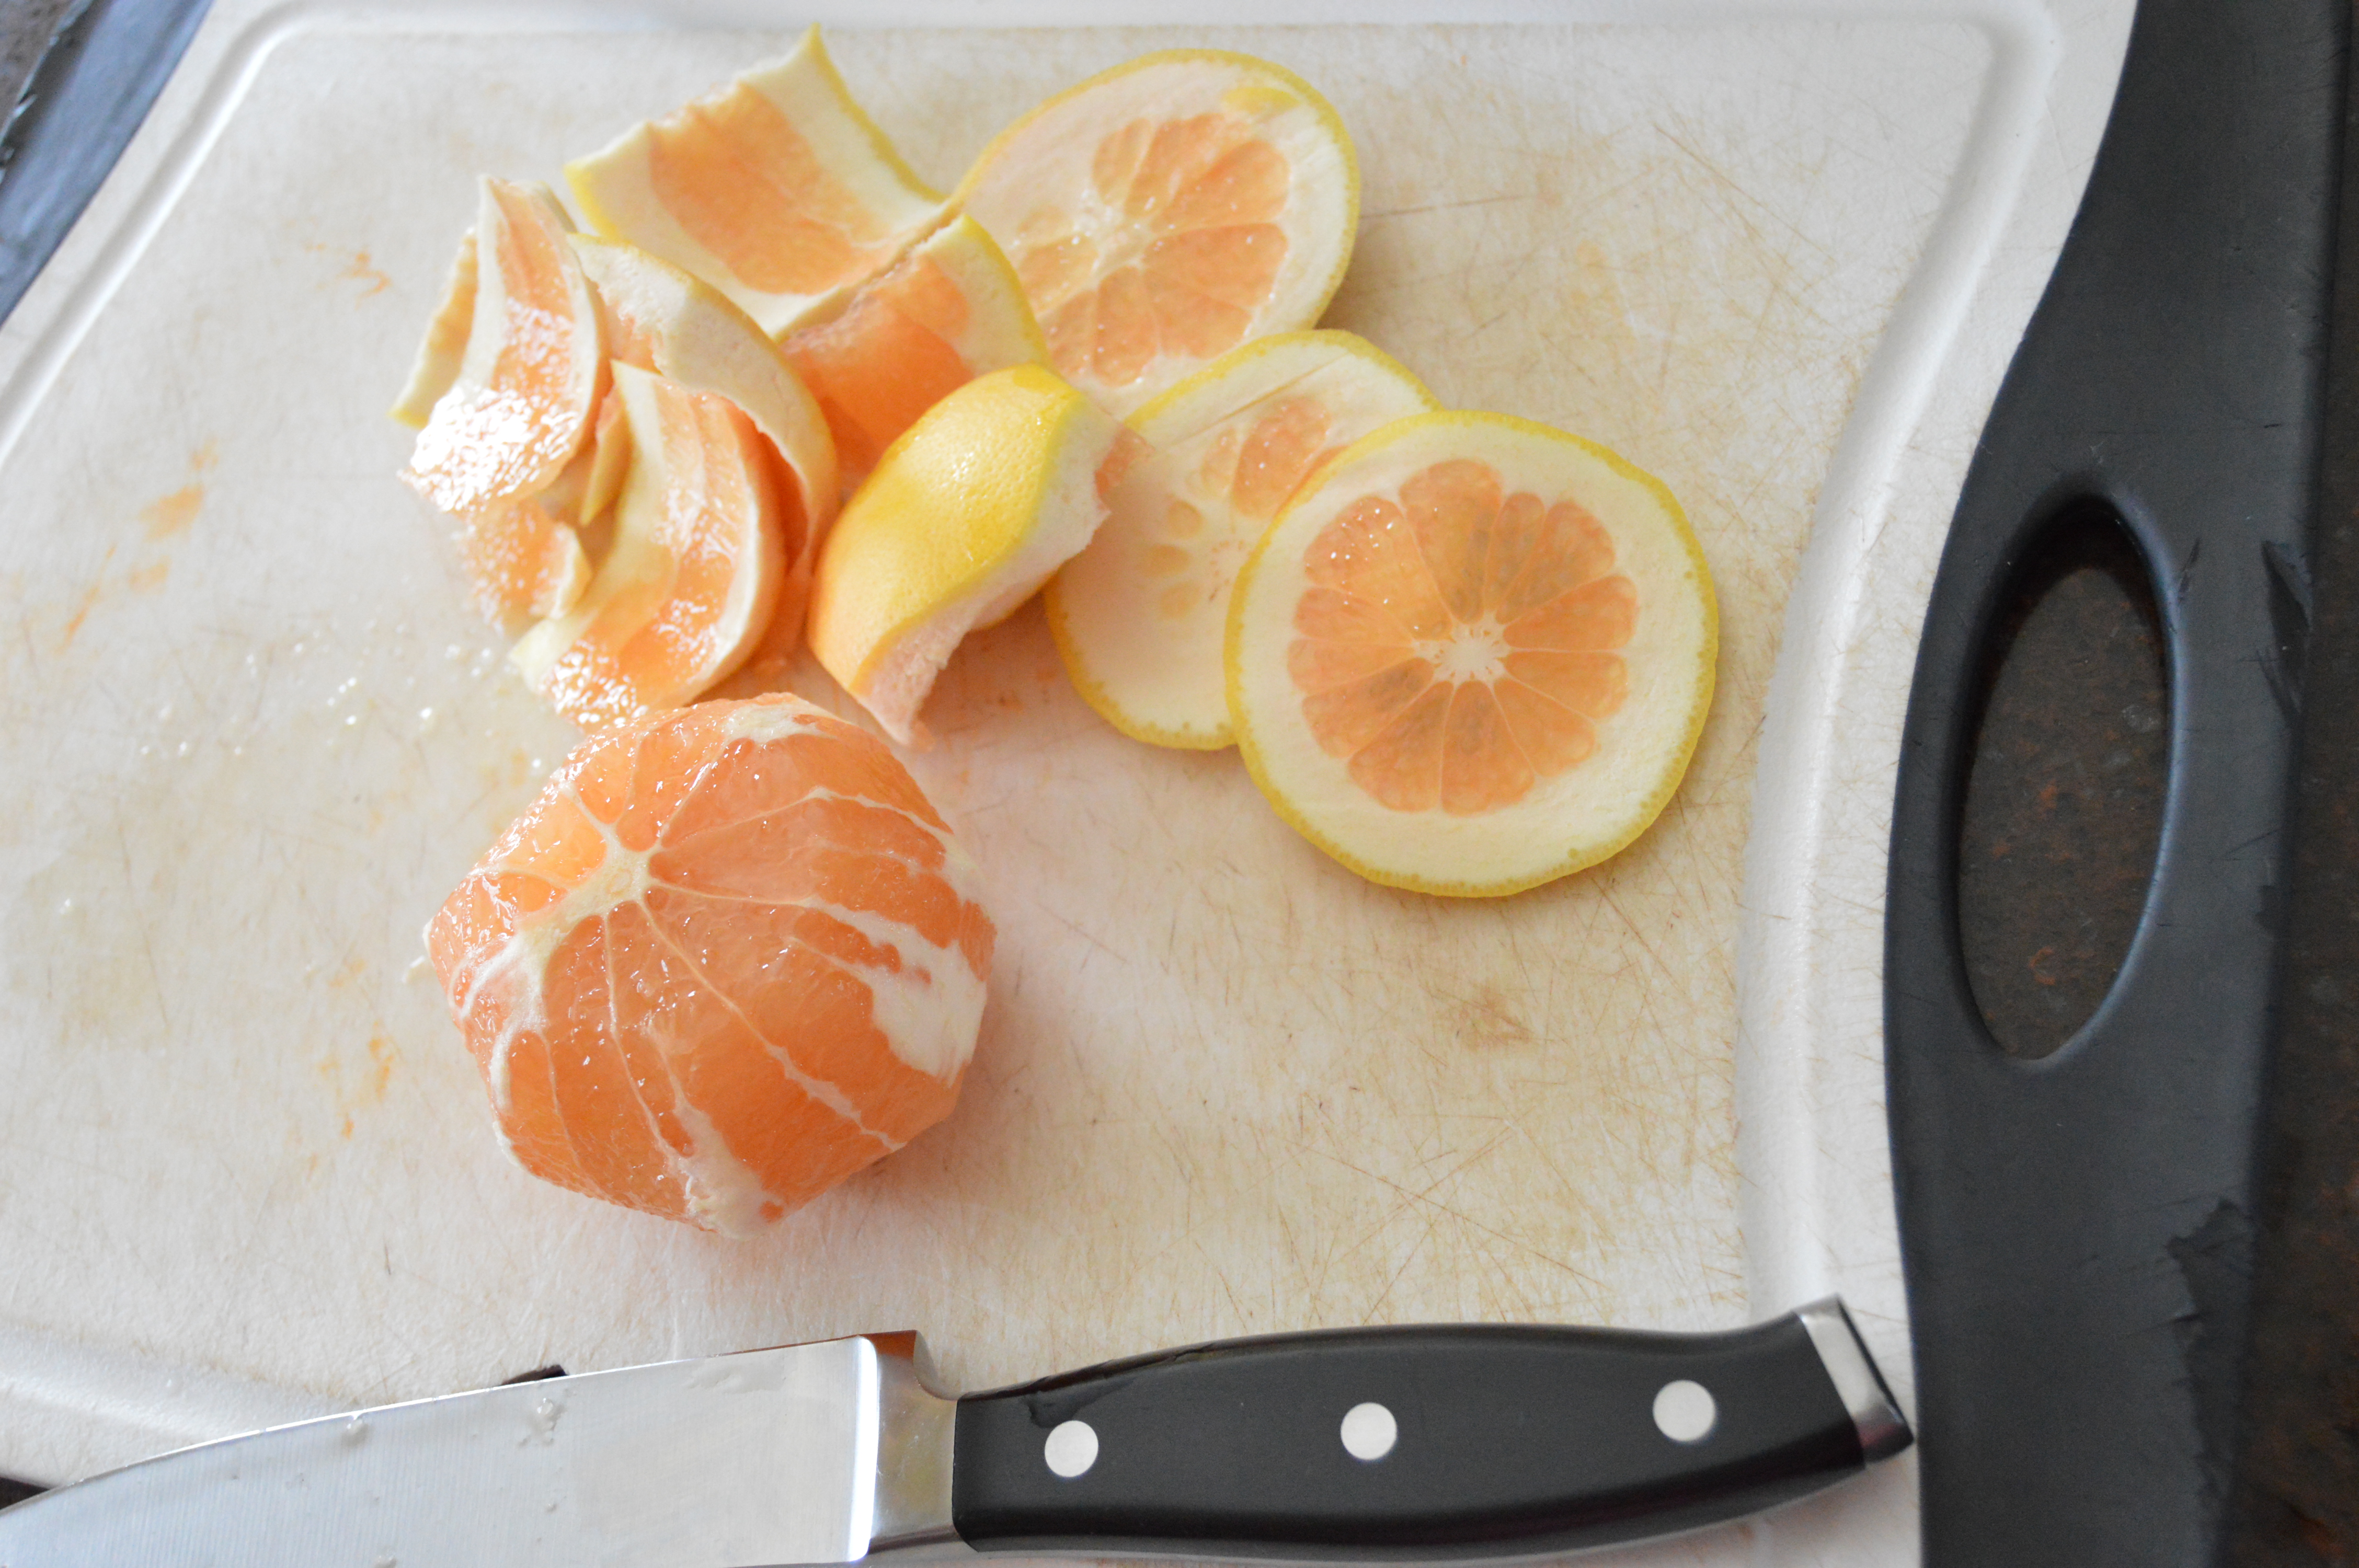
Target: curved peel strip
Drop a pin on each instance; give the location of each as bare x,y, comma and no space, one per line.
776,189
966,515
693,574
948,312
444,348
1473,655
534,365
1164,211
730,956
660,318
1139,616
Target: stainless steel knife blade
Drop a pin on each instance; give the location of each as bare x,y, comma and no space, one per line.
766,1456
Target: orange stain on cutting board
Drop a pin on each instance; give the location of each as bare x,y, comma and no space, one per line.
357,1087
170,514
359,268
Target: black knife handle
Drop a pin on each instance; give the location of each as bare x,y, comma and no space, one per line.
2077,1230
1506,1441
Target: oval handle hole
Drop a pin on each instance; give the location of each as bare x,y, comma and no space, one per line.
2064,793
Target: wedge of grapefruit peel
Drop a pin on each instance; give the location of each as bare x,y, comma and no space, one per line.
660,318
1473,655
967,514
730,956
1140,616
776,189
692,577
948,312
1164,211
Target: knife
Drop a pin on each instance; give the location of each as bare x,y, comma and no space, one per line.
1414,1444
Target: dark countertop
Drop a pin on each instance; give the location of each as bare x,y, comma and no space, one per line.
2064,809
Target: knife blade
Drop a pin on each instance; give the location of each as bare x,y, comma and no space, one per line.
1446,1442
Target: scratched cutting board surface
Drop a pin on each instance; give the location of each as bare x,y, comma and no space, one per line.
253,736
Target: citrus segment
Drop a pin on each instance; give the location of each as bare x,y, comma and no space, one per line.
996,486
776,189
693,572
1473,655
948,312
1166,211
660,318
533,366
445,345
730,956
1139,616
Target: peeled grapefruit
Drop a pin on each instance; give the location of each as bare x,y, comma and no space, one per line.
1473,655
730,956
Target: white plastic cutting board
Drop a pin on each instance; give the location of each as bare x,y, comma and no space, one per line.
1776,254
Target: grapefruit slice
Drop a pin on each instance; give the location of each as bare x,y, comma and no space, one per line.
947,312
1473,655
694,570
730,956
525,557
1140,615
1164,211
445,348
533,368
660,318
966,515
775,189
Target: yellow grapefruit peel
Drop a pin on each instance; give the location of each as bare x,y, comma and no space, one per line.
1168,210
965,516
1473,655
775,188
1141,615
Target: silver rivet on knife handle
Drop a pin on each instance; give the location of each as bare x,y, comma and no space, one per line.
1883,1430
914,1427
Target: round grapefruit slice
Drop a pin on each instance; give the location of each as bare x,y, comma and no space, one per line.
1140,615
947,312
1473,655
533,368
692,576
776,189
658,317
997,486
730,956
1164,211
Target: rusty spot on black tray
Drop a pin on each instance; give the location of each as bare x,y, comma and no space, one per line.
2063,807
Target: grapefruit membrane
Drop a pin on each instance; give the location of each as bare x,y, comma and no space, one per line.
1139,616
729,957
1164,211
1474,654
